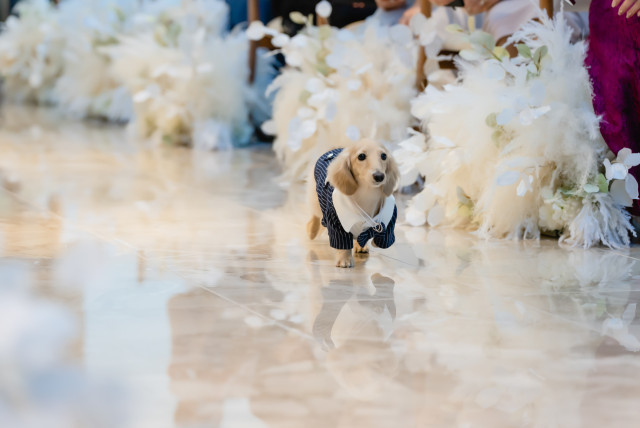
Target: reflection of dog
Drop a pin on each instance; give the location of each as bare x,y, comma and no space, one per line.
353,326
353,197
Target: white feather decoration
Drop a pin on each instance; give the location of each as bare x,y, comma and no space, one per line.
514,149
189,82
338,81
88,86
31,52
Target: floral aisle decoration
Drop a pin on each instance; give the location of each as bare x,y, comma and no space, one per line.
31,52
188,79
88,86
338,84
514,149
168,66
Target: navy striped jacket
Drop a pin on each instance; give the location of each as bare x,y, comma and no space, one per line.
338,237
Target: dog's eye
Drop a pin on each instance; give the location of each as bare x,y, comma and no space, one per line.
383,156
362,156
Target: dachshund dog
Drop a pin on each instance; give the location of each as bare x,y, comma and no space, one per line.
351,195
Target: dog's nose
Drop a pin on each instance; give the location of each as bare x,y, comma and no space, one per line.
378,177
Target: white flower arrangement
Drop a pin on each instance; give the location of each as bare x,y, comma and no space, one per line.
31,52
167,66
338,84
182,91
88,87
514,150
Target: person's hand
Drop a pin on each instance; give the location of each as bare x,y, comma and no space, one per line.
409,13
630,7
390,4
474,7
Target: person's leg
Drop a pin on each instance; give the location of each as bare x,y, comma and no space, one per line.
614,60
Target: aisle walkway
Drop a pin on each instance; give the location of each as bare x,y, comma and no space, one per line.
199,299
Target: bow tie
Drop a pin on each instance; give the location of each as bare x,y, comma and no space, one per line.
378,230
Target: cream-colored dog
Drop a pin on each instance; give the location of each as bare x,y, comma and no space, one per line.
351,191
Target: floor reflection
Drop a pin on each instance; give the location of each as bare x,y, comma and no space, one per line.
192,287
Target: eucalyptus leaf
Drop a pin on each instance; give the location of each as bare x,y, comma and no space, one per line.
496,136
500,52
120,14
524,50
591,188
298,18
603,183
471,55
540,53
491,120
304,96
454,28
323,68
483,39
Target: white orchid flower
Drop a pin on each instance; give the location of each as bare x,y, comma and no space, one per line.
624,186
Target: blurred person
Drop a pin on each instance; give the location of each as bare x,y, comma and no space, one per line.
344,12
391,12
613,60
500,18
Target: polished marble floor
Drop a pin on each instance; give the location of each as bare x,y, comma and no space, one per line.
145,286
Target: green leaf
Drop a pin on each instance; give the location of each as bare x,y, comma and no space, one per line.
500,52
298,18
454,28
524,50
591,188
568,192
471,55
304,96
483,39
496,136
540,53
464,211
120,15
323,68
603,184
491,120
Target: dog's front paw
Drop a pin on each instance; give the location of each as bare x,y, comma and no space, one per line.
361,250
344,259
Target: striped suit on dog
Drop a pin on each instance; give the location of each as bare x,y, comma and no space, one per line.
339,238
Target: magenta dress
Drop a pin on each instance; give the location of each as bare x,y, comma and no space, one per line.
613,59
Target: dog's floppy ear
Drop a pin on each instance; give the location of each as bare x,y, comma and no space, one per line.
393,174
340,176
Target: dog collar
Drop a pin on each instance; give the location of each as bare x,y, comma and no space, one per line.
351,218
